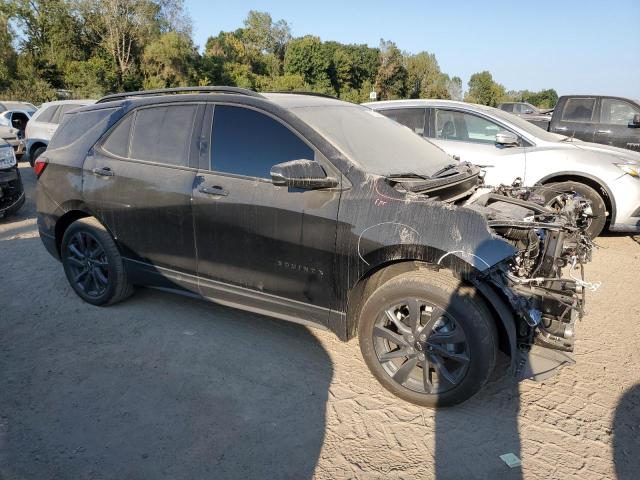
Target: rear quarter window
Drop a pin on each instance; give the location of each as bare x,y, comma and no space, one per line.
82,125
47,114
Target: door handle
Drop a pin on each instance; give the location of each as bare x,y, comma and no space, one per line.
103,172
603,131
562,129
213,190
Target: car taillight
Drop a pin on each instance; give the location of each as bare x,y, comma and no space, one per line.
40,165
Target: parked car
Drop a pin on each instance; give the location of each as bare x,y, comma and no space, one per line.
11,105
535,115
601,119
508,147
44,123
11,189
12,126
316,211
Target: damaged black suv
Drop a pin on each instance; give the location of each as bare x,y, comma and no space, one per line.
320,212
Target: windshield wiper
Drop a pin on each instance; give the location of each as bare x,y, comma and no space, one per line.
444,170
407,175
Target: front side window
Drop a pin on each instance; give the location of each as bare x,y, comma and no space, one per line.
163,134
507,107
247,142
617,112
451,125
414,118
579,109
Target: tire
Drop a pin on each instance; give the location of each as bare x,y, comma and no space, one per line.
88,247
36,153
450,310
598,207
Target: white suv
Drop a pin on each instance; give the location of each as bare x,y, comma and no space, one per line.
44,123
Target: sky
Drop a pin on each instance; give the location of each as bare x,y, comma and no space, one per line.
576,47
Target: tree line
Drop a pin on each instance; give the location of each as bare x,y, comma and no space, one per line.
87,48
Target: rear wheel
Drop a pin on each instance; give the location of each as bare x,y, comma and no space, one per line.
428,338
36,153
93,264
598,214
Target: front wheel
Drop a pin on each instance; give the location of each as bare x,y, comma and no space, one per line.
92,263
597,216
428,338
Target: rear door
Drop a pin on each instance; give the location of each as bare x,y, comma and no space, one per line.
613,126
577,118
139,180
274,241
471,138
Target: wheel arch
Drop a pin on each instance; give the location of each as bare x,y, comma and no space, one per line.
503,316
587,179
35,145
71,216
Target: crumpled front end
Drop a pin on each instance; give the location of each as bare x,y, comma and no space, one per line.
549,240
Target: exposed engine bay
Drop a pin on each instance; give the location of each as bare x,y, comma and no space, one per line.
549,236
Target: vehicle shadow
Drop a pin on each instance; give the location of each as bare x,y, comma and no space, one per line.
626,435
160,386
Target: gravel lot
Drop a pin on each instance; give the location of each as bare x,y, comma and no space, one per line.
162,386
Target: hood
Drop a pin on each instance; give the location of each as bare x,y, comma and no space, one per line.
618,153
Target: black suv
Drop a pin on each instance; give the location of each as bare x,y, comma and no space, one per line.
320,212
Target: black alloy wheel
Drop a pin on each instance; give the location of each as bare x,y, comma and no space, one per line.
88,264
421,347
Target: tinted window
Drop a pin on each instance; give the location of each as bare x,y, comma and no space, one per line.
414,118
452,125
118,141
246,142
67,107
617,112
579,109
163,134
78,125
47,115
507,107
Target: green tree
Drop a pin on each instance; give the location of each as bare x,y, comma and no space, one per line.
391,78
311,59
170,61
483,90
8,55
424,78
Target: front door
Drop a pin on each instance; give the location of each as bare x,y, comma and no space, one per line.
139,183
614,128
266,241
471,138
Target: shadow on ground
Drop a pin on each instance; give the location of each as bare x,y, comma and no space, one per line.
159,387
626,435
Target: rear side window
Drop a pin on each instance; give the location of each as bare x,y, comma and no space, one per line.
78,125
414,118
579,109
163,134
247,142
47,115
507,107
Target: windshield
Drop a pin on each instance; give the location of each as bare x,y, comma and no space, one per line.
376,143
527,127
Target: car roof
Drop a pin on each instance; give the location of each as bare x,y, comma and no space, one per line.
419,102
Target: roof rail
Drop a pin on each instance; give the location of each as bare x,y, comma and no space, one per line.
302,92
167,91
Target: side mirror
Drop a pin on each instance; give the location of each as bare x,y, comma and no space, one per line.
635,121
303,173
507,139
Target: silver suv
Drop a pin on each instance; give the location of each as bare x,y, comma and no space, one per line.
44,123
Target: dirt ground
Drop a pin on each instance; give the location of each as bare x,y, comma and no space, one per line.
162,386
